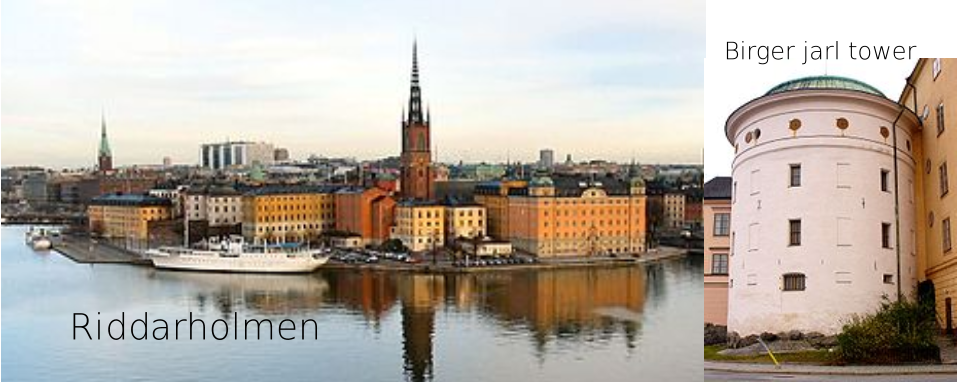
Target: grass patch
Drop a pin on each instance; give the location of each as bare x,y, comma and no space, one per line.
809,357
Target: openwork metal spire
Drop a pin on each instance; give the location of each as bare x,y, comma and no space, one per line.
415,98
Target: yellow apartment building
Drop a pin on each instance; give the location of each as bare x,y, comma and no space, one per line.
288,213
466,221
126,216
420,226
931,92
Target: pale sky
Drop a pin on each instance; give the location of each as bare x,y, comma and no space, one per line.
614,79
732,83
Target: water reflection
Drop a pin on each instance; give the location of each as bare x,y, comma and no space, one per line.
580,305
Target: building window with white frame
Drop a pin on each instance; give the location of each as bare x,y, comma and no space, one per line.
719,264
722,224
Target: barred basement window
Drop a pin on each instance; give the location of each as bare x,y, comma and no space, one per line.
888,278
794,282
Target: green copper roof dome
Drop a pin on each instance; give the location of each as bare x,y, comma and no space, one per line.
825,82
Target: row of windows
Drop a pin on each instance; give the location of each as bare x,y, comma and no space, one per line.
794,177
295,227
794,233
296,207
796,282
584,223
609,211
286,218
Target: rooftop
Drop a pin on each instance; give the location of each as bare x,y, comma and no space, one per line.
718,188
825,82
138,200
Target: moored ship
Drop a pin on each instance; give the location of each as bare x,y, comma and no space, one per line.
234,255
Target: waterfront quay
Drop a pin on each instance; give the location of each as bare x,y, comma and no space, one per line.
87,250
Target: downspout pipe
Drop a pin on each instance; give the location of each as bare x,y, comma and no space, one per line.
897,206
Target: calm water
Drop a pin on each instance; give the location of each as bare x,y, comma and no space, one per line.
624,324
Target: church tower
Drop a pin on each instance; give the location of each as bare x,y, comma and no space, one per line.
104,156
417,177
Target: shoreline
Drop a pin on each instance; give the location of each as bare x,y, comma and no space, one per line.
90,251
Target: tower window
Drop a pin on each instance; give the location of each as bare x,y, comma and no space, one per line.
795,175
885,175
794,282
886,235
936,67
888,278
794,230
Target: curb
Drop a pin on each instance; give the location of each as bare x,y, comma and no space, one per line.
753,368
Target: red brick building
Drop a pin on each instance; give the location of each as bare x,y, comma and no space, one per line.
417,175
365,212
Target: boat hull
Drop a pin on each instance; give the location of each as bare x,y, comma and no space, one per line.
242,264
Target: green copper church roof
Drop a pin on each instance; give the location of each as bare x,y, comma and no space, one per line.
825,82
104,143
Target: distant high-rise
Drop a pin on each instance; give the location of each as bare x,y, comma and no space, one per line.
417,175
226,155
104,156
546,158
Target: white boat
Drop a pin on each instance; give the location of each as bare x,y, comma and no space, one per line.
41,244
39,239
234,255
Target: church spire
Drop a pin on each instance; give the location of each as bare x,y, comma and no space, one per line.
415,97
104,142
104,157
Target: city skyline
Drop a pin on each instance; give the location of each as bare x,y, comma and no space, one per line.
586,80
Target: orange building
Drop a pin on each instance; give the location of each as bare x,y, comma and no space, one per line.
365,212
572,216
494,197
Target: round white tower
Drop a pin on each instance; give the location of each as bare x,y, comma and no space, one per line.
815,235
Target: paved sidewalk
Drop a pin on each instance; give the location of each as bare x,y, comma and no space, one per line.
737,367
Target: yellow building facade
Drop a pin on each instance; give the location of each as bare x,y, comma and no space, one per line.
576,218
465,221
288,213
126,216
931,92
419,226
